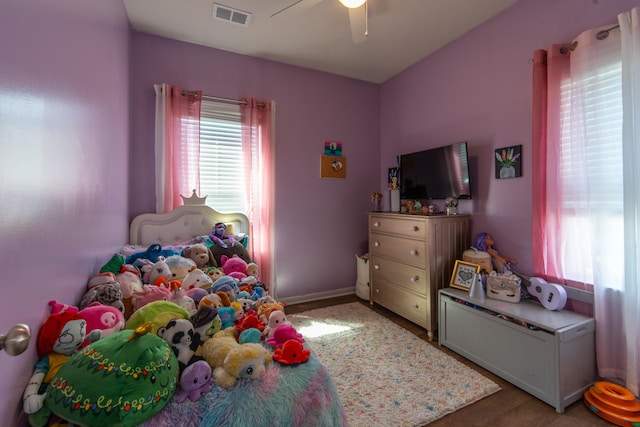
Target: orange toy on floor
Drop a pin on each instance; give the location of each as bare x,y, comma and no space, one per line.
613,403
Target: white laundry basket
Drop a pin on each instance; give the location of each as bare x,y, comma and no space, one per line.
362,280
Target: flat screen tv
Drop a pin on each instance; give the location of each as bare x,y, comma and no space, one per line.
436,173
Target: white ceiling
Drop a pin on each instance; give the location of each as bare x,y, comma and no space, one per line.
316,34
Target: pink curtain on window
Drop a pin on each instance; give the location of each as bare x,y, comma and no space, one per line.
616,296
258,155
177,145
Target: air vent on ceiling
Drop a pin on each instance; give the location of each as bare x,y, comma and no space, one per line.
228,14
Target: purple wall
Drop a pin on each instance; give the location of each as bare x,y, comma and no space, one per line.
478,89
320,224
64,138
76,143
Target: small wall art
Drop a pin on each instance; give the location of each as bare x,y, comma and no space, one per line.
333,167
332,148
509,162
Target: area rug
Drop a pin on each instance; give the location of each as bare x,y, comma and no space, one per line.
384,374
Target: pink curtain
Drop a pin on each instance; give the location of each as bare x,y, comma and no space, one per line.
258,155
578,233
177,145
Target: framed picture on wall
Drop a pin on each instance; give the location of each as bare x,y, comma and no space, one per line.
464,273
392,181
509,162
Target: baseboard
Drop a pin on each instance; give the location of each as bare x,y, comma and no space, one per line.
318,296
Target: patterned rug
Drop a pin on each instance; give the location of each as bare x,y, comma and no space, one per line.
385,375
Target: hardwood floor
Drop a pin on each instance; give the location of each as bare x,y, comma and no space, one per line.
510,407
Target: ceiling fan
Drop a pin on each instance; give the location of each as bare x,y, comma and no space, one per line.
358,15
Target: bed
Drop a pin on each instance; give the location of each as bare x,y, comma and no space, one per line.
294,394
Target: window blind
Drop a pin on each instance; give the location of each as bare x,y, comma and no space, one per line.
221,165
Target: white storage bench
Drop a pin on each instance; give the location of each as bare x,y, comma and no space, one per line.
549,354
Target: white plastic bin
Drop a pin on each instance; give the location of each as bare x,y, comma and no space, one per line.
362,280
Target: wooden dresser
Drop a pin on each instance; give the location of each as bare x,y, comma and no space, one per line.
411,258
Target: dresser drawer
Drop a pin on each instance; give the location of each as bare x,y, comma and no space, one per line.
403,302
389,271
401,249
414,228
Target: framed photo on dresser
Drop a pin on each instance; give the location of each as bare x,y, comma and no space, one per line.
464,273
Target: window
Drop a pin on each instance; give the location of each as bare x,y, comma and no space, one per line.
221,163
590,168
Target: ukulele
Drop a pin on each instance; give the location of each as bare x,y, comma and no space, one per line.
550,295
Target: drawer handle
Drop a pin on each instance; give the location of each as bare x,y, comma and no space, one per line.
413,252
376,224
415,228
376,244
415,279
416,306
377,291
377,267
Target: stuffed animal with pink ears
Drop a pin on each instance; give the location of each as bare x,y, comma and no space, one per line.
234,267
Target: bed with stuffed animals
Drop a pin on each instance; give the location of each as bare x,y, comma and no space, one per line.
180,331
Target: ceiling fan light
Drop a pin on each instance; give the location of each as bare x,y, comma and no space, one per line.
352,4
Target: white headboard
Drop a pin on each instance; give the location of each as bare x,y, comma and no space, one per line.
181,224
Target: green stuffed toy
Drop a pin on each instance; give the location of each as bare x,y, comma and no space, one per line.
121,380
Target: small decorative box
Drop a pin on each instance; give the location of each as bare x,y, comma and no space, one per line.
503,287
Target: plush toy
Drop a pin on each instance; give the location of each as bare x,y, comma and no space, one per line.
121,380
183,340
197,294
99,317
153,271
59,337
156,313
250,321
206,323
282,334
195,381
225,281
246,304
179,296
153,253
275,319
231,361
130,280
252,270
234,266
227,316
201,255
251,335
105,293
197,279
149,294
218,236
215,273
180,267
265,310
211,300
291,353
238,250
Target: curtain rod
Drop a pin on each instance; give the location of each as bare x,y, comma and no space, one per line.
600,35
229,100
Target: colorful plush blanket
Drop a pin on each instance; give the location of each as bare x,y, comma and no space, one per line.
285,395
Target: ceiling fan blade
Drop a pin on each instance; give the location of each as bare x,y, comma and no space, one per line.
297,6
358,22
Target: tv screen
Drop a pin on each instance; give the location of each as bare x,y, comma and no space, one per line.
436,173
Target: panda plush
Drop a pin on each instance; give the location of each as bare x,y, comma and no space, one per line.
183,340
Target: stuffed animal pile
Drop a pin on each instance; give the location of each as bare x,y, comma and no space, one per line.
203,323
